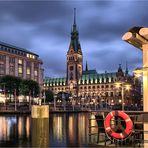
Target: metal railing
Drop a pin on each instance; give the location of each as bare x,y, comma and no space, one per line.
98,136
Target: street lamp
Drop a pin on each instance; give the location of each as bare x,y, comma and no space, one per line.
82,99
45,88
55,97
123,86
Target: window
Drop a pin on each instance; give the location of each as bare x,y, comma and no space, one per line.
111,86
2,57
27,55
2,69
20,61
30,56
36,65
71,68
11,59
35,73
12,70
107,80
28,63
20,69
111,94
28,71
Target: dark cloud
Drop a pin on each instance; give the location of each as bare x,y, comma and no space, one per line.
44,27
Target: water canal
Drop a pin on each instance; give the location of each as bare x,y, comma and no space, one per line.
65,130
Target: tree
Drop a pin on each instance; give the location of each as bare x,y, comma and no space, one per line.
10,84
29,88
49,96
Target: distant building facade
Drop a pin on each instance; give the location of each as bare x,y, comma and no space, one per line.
20,62
88,85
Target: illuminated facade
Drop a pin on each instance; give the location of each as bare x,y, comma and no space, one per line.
88,85
20,62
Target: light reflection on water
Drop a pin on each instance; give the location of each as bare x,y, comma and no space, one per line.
64,130
12,128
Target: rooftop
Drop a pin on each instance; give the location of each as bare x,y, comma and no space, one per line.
15,47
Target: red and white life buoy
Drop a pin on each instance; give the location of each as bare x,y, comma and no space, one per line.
129,125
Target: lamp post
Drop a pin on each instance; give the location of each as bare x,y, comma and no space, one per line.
55,97
82,99
44,93
15,98
123,86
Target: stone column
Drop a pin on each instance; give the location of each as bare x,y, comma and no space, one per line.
24,69
16,67
7,65
32,70
39,74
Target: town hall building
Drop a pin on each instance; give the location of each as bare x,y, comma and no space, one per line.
86,84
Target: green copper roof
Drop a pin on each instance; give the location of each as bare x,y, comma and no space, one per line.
55,81
93,75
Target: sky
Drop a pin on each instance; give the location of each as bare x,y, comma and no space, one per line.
44,27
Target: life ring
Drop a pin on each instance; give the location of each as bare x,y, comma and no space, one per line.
125,132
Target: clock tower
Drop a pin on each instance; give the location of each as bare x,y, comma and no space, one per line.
74,58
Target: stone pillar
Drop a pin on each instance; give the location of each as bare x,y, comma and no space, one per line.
7,65
24,69
40,125
145,87
16,67
32,70
39,74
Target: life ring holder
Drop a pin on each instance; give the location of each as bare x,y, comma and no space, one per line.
125,133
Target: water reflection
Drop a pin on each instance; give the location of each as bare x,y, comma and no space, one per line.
65,130
69,130
13,130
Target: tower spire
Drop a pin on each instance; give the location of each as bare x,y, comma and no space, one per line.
74,23
86,68
126,71
74,16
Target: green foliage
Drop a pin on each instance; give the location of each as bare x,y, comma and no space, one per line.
49,96
25,87
30,88
10,83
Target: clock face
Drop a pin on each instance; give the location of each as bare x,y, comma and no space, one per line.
71,68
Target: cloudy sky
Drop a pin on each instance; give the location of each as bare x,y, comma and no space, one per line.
44,27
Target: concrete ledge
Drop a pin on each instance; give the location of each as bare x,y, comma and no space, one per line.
40,111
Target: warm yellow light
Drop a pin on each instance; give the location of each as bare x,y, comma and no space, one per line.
137,75
127,87
117,85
